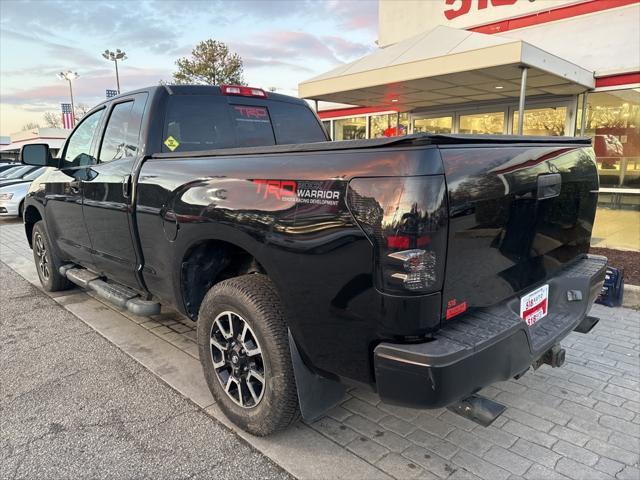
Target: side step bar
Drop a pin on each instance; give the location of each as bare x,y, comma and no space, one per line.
117,294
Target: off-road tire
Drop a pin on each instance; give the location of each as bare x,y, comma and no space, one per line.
54,282
254,298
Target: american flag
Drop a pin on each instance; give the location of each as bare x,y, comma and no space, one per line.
67,116
111,93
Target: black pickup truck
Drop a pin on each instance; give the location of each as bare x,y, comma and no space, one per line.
423,266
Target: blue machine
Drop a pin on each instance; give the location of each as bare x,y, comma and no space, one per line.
613,288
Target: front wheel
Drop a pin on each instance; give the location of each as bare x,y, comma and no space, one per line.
47,262
244,352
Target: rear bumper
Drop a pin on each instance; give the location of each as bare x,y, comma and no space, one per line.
486,345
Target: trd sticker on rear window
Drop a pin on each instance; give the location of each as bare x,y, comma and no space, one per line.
251,114
303,191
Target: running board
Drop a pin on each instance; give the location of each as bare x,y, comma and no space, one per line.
115,293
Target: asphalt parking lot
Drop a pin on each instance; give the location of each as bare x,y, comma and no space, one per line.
581,421
75,406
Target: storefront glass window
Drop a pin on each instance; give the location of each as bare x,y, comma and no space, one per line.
613,121
350,128
386,125
482,123
548,121
433,125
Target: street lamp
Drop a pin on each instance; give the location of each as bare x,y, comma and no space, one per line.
114,57
69,76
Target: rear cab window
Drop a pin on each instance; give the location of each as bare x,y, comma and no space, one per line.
208,122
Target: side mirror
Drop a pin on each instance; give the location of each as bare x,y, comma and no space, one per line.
37,154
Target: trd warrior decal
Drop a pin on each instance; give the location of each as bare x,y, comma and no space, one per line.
303,191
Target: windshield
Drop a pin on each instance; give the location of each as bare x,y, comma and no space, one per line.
7,171
35,174
17,172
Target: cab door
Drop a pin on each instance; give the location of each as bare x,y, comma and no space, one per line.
107,204
63,192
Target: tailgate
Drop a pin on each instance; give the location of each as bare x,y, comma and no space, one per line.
518,214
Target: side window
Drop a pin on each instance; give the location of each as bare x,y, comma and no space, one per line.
122,134
78,149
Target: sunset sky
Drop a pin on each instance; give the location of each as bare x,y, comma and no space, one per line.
281,43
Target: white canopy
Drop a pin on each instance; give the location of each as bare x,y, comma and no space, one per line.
446,66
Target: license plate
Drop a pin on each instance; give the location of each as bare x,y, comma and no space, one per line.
534,305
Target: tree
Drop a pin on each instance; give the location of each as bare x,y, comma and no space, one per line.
30,126
52,120
81,110
211,63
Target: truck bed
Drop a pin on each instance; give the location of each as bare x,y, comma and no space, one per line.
414,140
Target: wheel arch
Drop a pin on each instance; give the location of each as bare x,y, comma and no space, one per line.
30,215
209,261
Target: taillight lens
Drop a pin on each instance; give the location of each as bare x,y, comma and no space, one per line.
405,218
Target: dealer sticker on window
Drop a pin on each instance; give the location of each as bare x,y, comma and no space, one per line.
534,305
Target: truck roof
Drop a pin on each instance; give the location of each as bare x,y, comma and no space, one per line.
197,90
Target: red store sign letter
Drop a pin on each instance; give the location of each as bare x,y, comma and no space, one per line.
464,6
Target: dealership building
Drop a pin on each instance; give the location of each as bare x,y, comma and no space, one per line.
532,67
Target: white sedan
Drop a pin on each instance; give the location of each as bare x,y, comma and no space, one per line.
12,199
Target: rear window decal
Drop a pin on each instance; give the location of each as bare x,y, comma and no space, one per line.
251,114
171,143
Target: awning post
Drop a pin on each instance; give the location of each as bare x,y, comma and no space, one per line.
398,123
583,120
523,92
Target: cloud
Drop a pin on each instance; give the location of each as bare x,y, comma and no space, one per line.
144,26
297,48
350,14
90,88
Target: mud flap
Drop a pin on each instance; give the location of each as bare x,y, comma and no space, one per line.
316,394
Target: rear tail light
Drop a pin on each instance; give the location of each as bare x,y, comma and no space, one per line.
242,91
405,218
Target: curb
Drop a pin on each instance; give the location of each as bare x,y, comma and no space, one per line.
631,296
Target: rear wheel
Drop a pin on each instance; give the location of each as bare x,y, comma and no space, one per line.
47,262
244,352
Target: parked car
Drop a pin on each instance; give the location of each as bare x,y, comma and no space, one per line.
26,178
16,174
7,165
10,168
425,266
12,199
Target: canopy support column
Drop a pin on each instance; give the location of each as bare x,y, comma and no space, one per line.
583,120
523,92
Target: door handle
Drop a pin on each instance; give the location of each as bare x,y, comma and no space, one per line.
549,185
126,186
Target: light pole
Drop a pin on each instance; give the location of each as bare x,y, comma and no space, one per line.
114,57
69,76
